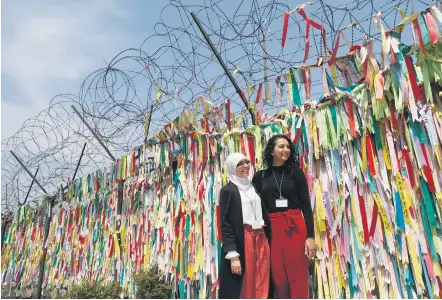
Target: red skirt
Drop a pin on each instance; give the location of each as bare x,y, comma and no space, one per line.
256,280
288,259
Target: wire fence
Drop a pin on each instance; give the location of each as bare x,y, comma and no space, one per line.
115,99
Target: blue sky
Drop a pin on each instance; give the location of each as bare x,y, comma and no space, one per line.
49,47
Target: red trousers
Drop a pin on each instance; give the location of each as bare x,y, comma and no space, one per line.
288,260
256,280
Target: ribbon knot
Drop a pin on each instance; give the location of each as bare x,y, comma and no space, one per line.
289,222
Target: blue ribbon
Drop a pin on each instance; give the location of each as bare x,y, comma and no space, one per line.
399,213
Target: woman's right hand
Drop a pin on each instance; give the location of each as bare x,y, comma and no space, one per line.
236,265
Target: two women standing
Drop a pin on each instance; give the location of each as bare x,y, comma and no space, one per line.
282,218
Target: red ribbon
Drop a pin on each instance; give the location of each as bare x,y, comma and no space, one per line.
309,23
335,50
419,35
393,117
192,217
354,48
370,156
204,141
111,242
330,249
250,142
140,234
374,219
33,233
242,147
258,95
406,155
364,217
413,80
284,28
427,171
351,117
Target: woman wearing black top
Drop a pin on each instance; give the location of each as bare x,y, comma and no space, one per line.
284,191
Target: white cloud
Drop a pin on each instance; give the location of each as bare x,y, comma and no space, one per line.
49,48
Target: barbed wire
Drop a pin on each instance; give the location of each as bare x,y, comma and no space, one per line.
114,99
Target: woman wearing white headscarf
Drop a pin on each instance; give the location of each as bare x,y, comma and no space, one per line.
245,229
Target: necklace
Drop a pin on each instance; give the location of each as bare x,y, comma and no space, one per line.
280,184
252,203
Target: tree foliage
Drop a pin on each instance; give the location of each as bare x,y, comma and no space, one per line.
99,290
150,285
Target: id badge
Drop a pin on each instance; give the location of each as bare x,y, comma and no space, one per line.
256,225
280,203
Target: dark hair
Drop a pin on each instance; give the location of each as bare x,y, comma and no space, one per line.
292,162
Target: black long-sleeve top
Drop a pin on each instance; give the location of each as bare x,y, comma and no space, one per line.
294,189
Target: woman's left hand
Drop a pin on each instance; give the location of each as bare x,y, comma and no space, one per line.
310,248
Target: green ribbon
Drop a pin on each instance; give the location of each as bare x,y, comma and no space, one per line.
428,232
304,133
163,155
428,204
418,132
295,90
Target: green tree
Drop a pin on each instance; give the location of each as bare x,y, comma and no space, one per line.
150,285
100,290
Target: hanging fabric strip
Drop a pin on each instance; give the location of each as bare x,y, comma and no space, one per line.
295,91
334,76
379,86
419,35
335,49
309,23
278,88
432,28
307,83
363,215
423,27
370,152
284,28
412,77
289,86
159,93
259,94
351,118
385,39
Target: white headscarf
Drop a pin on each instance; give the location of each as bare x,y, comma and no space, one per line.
232,162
